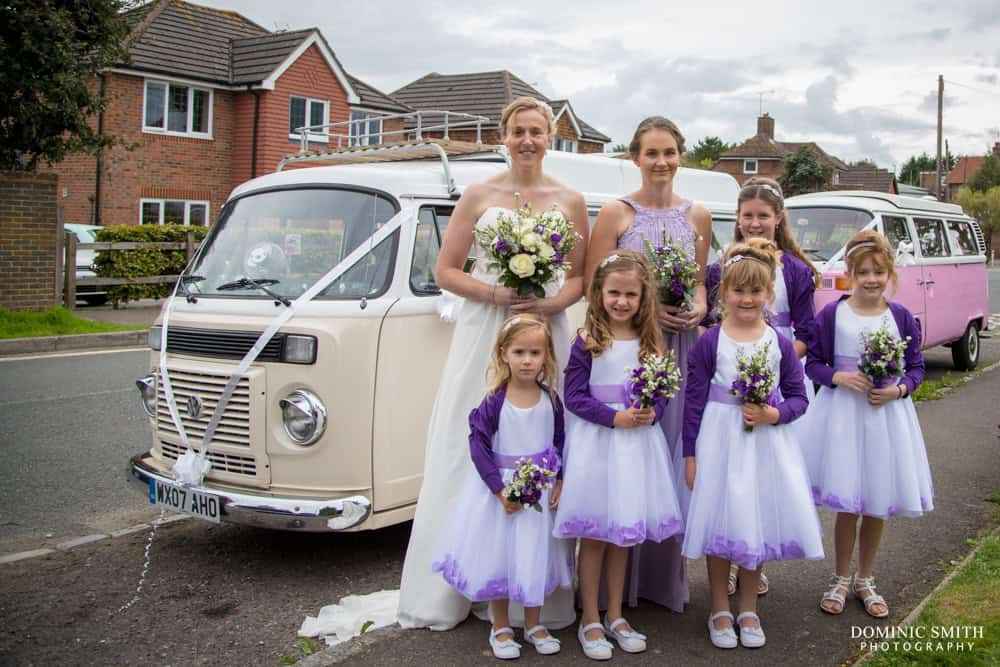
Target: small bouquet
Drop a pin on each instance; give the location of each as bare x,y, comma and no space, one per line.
674,271
528,250
656,377
530,480
882,356
754,382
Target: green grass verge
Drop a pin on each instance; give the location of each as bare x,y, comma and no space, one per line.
969,602
931,390
52,322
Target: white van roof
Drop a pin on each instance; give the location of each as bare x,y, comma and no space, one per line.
865,199
600,178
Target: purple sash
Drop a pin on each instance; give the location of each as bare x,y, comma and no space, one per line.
610,393
783,319
546,459
720,394
845,362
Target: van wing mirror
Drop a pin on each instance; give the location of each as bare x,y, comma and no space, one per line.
904,254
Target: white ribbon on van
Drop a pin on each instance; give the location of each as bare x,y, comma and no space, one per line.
191,467
840,253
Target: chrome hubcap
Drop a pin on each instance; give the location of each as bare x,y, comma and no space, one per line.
973,345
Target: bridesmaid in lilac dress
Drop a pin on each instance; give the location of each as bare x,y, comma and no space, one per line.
657,571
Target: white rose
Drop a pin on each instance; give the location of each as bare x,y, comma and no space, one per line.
531,241
545,251
522,265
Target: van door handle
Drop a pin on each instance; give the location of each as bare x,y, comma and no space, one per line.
929,282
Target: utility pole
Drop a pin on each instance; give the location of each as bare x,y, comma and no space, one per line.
937,182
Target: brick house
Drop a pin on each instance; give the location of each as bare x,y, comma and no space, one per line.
207,100
486,94
867,178
964,170
761,155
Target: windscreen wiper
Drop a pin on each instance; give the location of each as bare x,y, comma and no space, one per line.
184,280
257,284
816,253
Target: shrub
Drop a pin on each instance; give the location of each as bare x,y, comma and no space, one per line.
148,261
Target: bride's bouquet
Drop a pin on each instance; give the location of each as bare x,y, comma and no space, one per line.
528,250
674,271
882,356
529,482
755,380
656,377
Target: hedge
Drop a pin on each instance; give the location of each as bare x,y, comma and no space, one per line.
151,261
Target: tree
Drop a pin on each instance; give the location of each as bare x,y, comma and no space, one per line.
988,175
984,207
910,171
705,153
619,148
864,163
803,172
50,53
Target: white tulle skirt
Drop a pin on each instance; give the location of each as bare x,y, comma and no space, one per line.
751,500
867,460
618,485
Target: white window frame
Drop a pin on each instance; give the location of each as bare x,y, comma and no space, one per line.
747,169
149,129
188,203
564,145
322,137
356,116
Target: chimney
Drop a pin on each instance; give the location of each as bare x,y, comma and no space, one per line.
996,149
765,126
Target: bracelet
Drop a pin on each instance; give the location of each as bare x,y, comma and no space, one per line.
900,388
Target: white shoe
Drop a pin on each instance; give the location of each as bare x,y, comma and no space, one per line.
725,638
595,649
506,649
751,637
546,645
630,641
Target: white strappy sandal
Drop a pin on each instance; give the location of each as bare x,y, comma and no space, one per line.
724,638
546,645
864,590
833,595
504,649
630,641
751,637
595,649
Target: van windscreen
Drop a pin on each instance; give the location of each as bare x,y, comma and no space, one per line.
823,230
294,237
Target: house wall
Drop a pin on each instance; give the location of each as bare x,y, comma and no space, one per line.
565,129
28,240
589,147
769,168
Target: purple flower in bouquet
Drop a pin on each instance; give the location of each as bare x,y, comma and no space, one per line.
755,381
656,378
674,271
529,482
882,356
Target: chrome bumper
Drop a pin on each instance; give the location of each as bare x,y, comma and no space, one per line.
249,509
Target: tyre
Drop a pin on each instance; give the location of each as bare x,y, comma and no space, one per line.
965,350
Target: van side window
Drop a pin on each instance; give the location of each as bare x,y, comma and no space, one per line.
931,235
963,242
895,230
431,225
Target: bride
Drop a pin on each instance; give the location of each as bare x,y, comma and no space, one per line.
527,127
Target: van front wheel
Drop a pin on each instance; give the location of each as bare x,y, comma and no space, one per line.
965,350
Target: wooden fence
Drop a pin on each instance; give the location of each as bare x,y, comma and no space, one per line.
71,282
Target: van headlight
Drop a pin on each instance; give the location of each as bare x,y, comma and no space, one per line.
147,393
304,416
154,337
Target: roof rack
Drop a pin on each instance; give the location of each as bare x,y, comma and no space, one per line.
411,150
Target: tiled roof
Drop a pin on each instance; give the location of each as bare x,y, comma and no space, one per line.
965,169
177,38
867,178
479,94
762,146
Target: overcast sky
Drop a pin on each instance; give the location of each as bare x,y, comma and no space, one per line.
859,77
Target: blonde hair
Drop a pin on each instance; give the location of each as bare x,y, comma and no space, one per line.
870,244
597,326
768,191
498,373
526,103
751,263
655,123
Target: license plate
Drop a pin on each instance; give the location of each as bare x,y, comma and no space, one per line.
180,499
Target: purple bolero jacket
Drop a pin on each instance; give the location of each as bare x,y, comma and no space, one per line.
484,422
701,369
819,358
799,285
577,391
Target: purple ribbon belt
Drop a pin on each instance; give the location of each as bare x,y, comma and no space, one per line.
546,459
610,393
783,319
845,362
719,394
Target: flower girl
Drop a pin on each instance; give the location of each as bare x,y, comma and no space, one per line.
865,450
619,490
498,545
750,501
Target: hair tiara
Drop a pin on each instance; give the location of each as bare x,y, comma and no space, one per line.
764,186
607,260
739,258
863,244
514,321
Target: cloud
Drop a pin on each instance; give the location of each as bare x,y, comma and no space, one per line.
991,79
933,35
